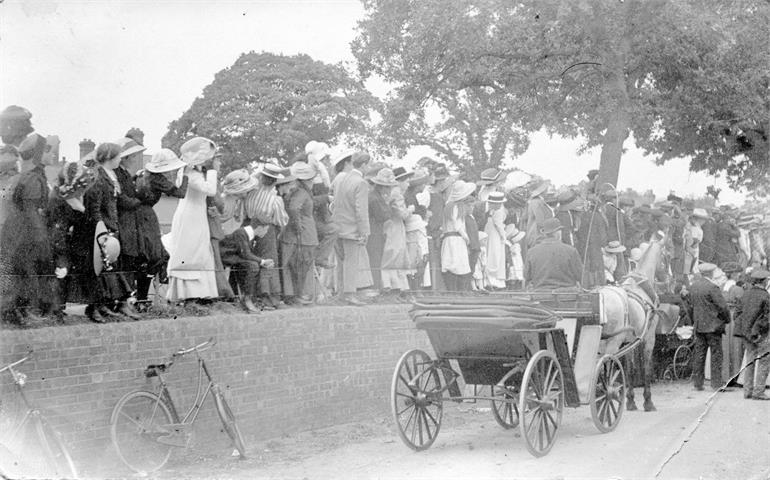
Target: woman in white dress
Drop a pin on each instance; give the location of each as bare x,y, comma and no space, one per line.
494,273
191,266
455,264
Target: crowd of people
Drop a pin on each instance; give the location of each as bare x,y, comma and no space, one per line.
326,220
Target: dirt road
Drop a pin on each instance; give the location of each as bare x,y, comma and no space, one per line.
732,442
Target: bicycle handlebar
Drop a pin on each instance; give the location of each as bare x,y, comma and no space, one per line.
17,362
200,347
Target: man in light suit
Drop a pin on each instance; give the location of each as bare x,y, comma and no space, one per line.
351,216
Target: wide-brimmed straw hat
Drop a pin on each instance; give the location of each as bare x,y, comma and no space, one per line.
164,161
460,191
614,247
271,170
316,151
514,234
384,177
129,147
285,180
238,182
107,252
342,155
700,213
421,177
197,151
302,171
496,197
538,189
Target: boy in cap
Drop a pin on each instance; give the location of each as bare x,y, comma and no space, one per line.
710,314
752,327
237,253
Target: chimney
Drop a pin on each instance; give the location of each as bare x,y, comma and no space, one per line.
86,146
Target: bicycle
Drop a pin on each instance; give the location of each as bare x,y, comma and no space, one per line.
16,447
145,426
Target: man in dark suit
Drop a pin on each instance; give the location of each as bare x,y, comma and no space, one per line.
710,314
552,264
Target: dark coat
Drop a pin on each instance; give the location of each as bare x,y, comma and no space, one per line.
710,312
236,247
71,241
552,264
410,198
754,320
301,229
707,250
26,252
591,237
474,245
149,188
727,236
129,225
101,202
436,208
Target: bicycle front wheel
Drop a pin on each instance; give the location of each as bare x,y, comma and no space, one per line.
228,421
138,420
59,459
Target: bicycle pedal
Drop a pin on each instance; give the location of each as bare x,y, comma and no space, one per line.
178,436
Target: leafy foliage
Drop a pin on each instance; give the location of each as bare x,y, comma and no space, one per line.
269,106
686,78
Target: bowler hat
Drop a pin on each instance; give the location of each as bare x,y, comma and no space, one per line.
614,247
593,173
401,174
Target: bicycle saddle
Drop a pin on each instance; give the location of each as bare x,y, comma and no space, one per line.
152,370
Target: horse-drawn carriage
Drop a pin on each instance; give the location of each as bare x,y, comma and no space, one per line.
539,353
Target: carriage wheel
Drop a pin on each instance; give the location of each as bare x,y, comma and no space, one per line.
506,413
417,409
606,393
541,402
681,362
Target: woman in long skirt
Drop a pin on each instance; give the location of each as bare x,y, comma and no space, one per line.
191,266
455,262
494,273
26,248
112,288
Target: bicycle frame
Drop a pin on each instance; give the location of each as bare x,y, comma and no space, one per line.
200,396
31,412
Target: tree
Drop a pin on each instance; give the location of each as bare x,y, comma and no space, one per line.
269,106
600,69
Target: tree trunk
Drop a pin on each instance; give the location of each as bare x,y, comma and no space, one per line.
612,147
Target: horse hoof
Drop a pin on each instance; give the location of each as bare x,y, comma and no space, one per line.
631,406
649,407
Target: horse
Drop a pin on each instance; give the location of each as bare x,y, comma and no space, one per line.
630,315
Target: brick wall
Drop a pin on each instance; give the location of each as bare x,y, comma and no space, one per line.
282,371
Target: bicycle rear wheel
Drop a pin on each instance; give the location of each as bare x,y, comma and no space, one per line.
138,420
228,421
59,459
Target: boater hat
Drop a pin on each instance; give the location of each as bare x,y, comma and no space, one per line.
489,176
271,170
614,247
496,197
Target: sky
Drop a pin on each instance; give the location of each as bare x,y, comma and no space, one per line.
94,69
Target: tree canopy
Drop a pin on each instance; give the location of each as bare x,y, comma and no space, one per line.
687,78
269,106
